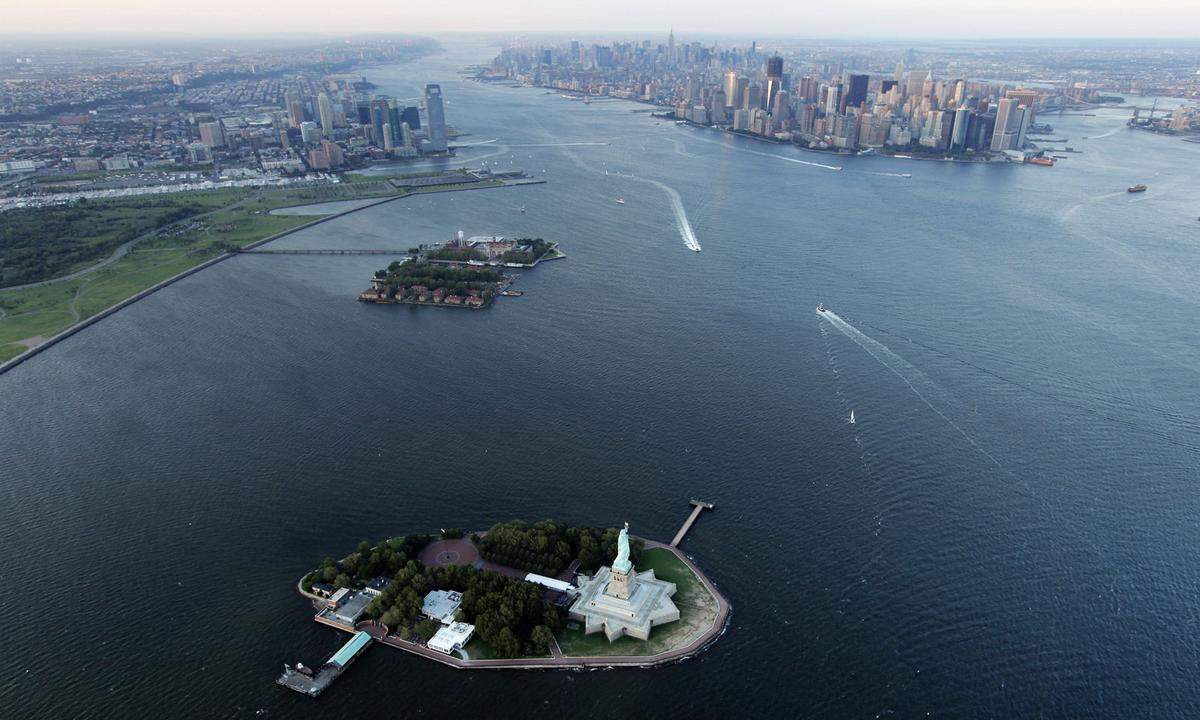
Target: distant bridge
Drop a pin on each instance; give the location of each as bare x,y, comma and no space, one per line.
322,251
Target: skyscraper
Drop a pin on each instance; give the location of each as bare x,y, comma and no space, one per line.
411,115
774,80
437,118
1004,137
294,108
325,110
752,98
731,88
856,91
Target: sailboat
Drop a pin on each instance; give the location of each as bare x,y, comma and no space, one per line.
851,417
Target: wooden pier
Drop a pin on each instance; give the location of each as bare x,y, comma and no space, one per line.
699,507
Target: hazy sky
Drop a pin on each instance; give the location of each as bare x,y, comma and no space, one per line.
843,18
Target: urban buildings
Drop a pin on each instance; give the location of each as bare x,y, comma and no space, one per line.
847,99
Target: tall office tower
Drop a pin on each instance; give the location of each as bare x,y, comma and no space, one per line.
1026,117
436,116
774,80
379,117
856,91
388,141
899,76
781,107
1004,137
743,82
960,92
752,98
731,88
406,134
294,108
671,46
833,99
958,137
363,105
212,134
809,89
411,115
394,121
719,107
916,83
325,110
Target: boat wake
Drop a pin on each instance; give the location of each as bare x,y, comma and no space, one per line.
916,380
679,148
681,218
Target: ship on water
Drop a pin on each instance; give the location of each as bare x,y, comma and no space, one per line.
1137,188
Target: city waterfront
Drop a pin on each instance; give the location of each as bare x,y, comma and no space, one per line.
1007,530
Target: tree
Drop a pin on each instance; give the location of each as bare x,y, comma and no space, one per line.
427,629
541,638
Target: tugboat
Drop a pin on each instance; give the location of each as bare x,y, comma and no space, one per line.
1137,188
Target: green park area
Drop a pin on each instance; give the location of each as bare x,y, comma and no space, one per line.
697,612
167,234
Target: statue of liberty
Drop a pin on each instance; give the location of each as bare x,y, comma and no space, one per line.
622,563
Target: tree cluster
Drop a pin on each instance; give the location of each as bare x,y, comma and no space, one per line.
38,243
510,615
547,547
387,557
434,276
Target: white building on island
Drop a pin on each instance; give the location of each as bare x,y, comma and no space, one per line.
621,601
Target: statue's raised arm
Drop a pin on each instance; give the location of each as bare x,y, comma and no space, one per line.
622,561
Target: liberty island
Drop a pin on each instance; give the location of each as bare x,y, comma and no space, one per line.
467,618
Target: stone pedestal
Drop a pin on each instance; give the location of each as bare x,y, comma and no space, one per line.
620,584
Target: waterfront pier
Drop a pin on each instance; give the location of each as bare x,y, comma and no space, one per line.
304,680
699,506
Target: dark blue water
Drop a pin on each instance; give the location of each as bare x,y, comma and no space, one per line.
1008,531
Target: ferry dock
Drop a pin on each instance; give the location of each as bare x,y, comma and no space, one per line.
303,679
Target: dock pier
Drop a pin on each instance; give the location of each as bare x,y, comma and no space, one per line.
699,507
313,683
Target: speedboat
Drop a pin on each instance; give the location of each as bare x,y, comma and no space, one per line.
820,307
620,201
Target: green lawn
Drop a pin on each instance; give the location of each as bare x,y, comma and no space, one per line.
697,611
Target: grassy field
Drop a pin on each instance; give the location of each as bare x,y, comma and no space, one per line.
697,611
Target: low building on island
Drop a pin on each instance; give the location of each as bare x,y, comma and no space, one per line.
621,601
452,637
442,605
